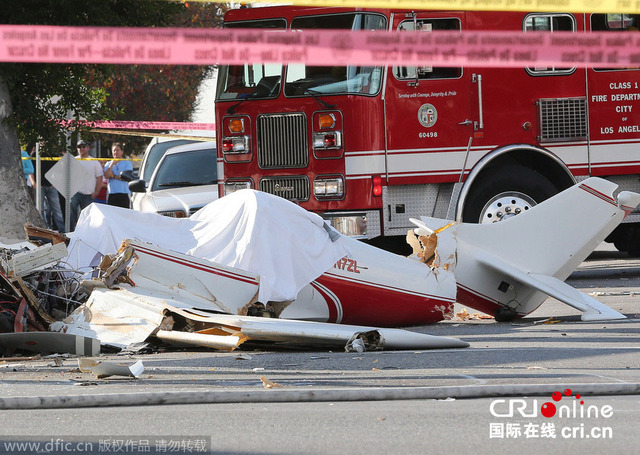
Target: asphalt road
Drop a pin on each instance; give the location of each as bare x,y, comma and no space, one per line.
481,399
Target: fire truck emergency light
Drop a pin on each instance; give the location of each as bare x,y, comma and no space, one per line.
328,140
377,185
326,121
235,144
236,125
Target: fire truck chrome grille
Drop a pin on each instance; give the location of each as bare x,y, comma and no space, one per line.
563,119
294,188
282,141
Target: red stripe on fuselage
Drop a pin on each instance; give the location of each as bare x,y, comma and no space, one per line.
364,304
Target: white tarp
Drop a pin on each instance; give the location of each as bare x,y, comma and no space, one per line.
284,244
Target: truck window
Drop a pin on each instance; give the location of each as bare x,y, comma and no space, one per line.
549,23
615,23
427,72
251,80
303,80
192,168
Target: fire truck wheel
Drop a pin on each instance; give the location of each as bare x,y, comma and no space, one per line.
627,238
505,192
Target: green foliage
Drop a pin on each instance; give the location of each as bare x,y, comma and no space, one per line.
157,92
43,93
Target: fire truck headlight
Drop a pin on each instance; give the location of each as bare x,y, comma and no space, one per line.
235,144
329,140
232,187
329,188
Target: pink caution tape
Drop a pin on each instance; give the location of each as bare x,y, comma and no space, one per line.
134,125
172,46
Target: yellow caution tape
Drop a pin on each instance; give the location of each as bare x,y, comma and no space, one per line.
574,6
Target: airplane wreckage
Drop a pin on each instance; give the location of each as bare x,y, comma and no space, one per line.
255,268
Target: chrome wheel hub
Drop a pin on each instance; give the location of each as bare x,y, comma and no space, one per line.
505,205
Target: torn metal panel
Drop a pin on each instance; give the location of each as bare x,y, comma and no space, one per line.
27,262
116,317
309,333
40,235
103,369
113,266
161,279
220,342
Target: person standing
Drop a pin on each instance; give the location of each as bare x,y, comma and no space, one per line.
118,193
28,169
91,185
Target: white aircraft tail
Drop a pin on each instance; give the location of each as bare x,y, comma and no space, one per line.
517,263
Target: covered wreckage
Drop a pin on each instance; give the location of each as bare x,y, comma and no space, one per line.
211,279
252,267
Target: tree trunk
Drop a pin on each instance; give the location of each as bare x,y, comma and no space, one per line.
16,205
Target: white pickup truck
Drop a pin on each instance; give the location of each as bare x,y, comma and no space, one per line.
183,179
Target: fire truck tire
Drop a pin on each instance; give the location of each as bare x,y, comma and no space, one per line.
627,239
504,192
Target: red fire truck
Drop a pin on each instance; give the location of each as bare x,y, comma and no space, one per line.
371,147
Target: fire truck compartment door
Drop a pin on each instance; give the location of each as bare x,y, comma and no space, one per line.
614,121
429,119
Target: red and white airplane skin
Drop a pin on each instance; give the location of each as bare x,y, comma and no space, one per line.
507,268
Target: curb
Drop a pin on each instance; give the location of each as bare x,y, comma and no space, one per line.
316,395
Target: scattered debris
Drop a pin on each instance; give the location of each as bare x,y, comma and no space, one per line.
137,348
269,384
27,262
355,344
85,383
105,369
551,321
212,280
19,359
177,299
464,315
220,342
614,293
57,362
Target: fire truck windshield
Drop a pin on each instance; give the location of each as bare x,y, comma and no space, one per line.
260,81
